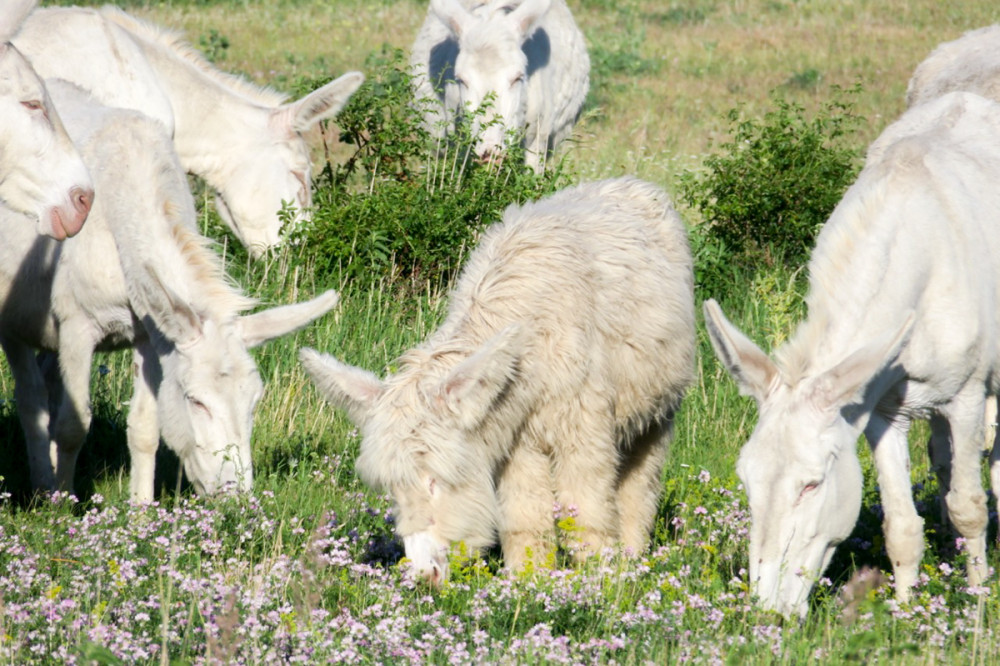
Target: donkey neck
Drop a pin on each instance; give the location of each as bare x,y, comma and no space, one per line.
210,107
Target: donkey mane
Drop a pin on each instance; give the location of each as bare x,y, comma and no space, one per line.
174,41
218,292
831,288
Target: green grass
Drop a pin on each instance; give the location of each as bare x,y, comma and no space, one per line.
308,566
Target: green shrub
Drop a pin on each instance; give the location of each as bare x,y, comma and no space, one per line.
766,192
403,200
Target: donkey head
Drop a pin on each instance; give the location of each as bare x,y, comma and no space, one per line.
276,170
41,172
422,442
491,65
800,466
210,386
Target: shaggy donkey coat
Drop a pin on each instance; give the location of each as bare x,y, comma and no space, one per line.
555,378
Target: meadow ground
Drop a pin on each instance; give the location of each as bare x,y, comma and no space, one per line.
306,570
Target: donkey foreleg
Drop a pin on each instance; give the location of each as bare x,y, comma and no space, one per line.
143,423
525,496
32,409
902,525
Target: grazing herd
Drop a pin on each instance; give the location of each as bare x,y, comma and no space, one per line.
569,342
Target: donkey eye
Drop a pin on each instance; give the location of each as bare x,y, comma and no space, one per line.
198,405
517,79
809,487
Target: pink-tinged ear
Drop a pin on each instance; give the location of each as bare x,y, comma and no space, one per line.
528,14
264,326
752,369
839,385
322,103
454,16
471,388
12,15
353,389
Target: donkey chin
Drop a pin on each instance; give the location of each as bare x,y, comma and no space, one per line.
213,480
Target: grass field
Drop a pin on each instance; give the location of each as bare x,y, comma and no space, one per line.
306,570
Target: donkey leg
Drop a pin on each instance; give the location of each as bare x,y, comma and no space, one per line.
966,498
32,410
143,423
640,485
525,495
939,452
76,354
585,465
992,444
903,527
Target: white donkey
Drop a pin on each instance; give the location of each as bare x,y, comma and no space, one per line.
41,173
137,275
555,377
904,323
243,140
530,58
970,63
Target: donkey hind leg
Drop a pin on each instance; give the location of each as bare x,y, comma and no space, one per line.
939,453
966,498
525,496
640,484
585,465
76,354
32,409
992,444
143,423
902,526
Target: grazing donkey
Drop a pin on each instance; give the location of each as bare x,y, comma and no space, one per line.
137,275
970,63
554,378
41,173
904,323
529,58
242,139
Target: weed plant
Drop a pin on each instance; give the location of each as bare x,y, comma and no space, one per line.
764,195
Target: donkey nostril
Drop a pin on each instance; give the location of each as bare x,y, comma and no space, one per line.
82,199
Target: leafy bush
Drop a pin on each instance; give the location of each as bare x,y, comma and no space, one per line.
403,200
767,191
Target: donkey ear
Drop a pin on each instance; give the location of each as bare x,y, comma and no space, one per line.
752,369
455,17
838,386
12,16
174,317
353,389
324,102
528,13
262,327
473,385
